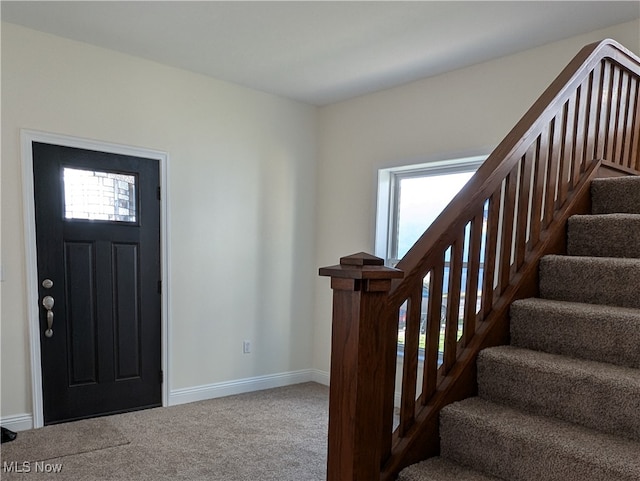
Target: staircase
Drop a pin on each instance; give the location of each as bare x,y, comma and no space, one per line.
562,402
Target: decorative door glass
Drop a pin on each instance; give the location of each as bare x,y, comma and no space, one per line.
94,195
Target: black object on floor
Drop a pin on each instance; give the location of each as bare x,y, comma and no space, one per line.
8,435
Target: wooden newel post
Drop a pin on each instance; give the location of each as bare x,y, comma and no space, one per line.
360,284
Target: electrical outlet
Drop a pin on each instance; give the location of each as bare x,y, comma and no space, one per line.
246,347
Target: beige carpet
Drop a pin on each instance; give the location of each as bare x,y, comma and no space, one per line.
278,434
67,439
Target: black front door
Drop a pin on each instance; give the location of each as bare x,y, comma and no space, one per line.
98,246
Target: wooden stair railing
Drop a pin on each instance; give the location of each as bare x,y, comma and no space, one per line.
459,279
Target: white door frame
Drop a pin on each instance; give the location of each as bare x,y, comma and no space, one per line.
27,137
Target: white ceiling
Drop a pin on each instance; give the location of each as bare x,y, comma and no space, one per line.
319,52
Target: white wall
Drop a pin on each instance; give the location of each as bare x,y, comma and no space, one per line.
241,191
460,113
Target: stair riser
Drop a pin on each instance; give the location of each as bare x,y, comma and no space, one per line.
517,456
613,282
621,195
602,335
604,236
439,469
604,399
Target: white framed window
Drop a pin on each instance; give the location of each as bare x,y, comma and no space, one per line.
411,197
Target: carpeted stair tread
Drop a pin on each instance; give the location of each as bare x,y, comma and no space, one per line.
593,394
615,195
604,235
594,280
588,331
517,446
440,469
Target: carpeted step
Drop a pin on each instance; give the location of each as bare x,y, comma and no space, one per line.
518,446
593,394
586,331
440,469
594,280
615,195
604,235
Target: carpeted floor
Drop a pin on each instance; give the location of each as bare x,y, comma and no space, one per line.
278,434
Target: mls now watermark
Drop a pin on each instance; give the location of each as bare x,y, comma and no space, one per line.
29,467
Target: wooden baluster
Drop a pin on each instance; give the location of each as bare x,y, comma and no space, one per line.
619,136
453,303
430,374
473,274
524,208
389,378
635,140
410,363
491,252
613,115
580,132
592,118
628,122
631,123
358,348
572,134
566,151
538,195
553,172
604,109
506,235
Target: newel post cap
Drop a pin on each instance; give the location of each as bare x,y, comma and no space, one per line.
361,266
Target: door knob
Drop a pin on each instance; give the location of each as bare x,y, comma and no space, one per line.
48,303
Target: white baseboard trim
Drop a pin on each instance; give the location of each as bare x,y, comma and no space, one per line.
240,386
321,377
17,422
23,422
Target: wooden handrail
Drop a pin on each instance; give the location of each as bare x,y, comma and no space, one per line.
503,159
482,253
